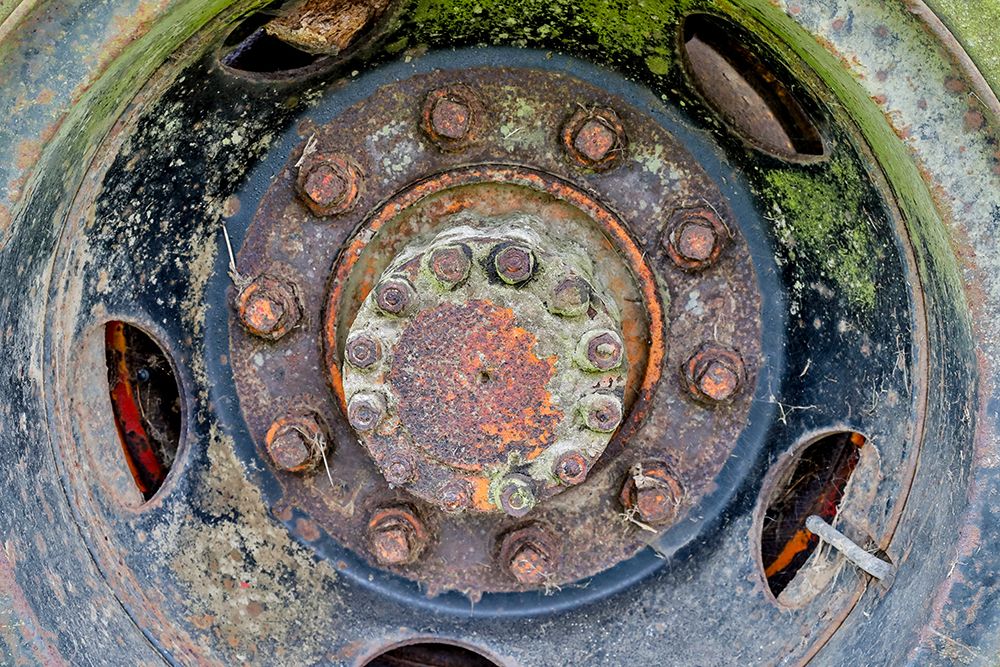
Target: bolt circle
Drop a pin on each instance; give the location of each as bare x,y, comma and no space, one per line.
455,495
268,308
601,412
714,374
452,117
394,296
363,350
514,264
296,443
515,495
450,265
595,139
570,297
600,350
329,184
571,468
652,492
397,536
365,410
695,238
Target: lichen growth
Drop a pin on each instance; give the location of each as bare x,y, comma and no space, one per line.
820,218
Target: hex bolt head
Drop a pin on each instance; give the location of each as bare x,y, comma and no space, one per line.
399,469
714,374
514,264
570,297
455,495
296,443
530,554
268,307
600,350
365,410
652,492
363,350
515,495
394,295
595,138
452,117
329,184
695,238
601,412
571,468
397,535
450,265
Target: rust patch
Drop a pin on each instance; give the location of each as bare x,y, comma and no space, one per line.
472,388
325,26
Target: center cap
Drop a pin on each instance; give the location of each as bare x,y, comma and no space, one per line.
486,370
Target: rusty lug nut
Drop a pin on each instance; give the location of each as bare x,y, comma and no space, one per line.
451,116
398,469
530,554
455,495
268,307
695,239
714,374
601,412
514,264
296,443
329,184
365,410
394,295
570,297
595,138
652,492
363,350
450,264
600,350
571,468
397,535
515,495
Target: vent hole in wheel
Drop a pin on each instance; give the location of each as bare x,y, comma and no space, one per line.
146,403
430,654
813,483
250,48
750,95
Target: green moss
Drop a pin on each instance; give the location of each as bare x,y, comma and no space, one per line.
658,64
820,218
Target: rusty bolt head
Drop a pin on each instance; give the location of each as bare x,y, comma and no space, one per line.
329,184
595,138
652,492
515,495
695,238
296,443
601,412
714,374
398,469
571,468
363,350
530,554
268,307
394,295
455,495
365,410
570,297
600,350
450,264
452,116
514,264
397,535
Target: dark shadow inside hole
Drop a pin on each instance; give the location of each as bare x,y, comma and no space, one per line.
430,654
146,403
249,48
814,484
747,91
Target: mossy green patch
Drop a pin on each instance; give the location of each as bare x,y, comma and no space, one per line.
820,218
